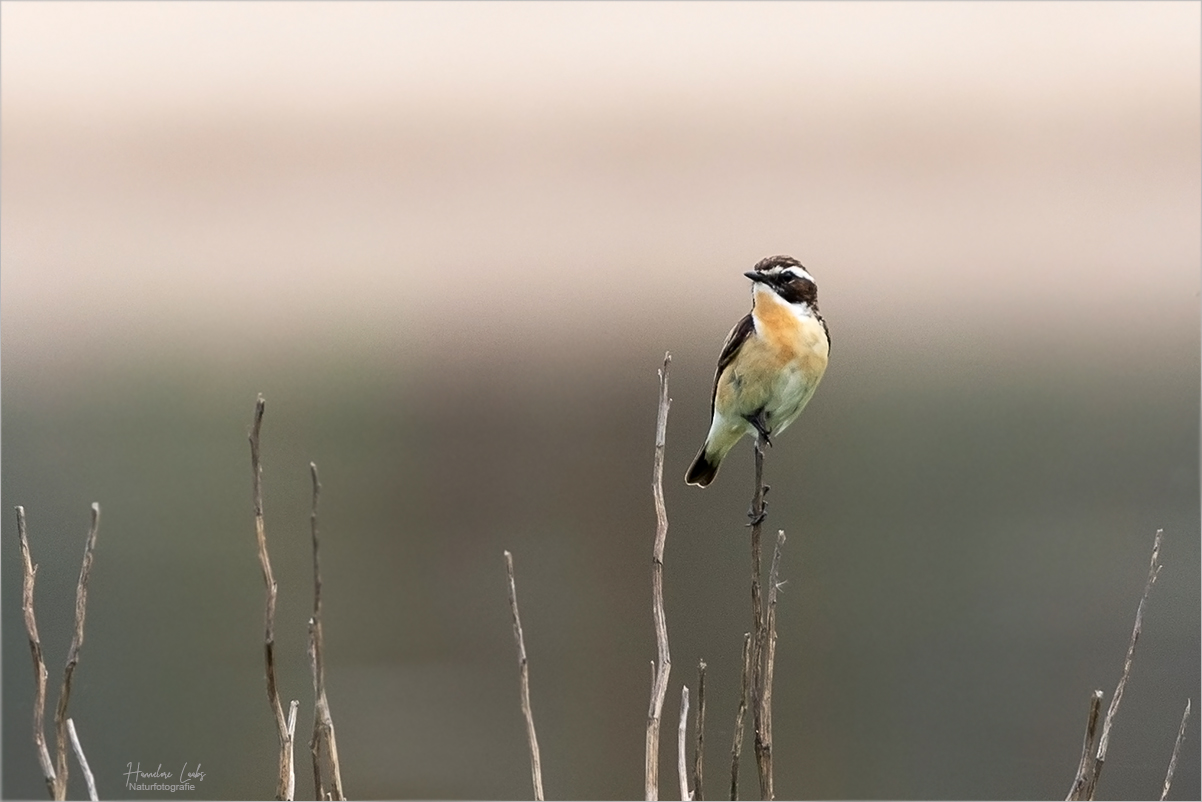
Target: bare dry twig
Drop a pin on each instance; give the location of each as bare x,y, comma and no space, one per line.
759,642
287,777
664,667
290,790
1087,782
29,573
536,768
682,762
699,747
764,735
323,745
83,761
1087,748
1104,742
1168,777
736,749
55,774
64,696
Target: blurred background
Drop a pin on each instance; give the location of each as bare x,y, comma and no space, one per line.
450,244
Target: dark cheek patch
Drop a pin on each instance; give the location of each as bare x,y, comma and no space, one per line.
800,291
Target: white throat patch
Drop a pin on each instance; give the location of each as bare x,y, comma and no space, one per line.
802,310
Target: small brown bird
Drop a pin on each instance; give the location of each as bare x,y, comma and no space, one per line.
770,365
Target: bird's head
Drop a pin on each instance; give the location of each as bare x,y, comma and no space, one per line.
786,277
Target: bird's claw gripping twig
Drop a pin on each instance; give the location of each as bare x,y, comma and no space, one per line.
758,518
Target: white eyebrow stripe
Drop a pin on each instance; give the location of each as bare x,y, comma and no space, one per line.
800,272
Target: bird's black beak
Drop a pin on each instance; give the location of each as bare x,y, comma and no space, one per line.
754,276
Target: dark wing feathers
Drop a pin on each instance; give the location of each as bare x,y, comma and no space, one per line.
734,341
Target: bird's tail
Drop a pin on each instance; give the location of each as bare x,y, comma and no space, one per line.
718,443
703,470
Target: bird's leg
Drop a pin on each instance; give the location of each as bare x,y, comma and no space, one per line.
759,503
760,425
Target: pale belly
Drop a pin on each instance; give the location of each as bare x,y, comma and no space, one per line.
794,389
781,391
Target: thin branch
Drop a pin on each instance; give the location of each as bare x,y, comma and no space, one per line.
64,697
536,768
286,774
759,645
664,667
323,742
83,761
29,573
736,749
290,782
757,514
699,747
764,734
1104,742
1085,766
682,763
1168,778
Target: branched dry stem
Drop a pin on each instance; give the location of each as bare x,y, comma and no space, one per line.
286,782
55,773
1168,777
323,745
293,707
1104,742
736,749
664,667
1086,782
699,746
536,767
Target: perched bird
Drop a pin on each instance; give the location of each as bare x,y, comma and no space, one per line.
770,365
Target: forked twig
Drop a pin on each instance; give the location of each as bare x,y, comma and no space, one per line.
536,768
286,782
1168,777
64,696
1087,782
736,749
323,745
83,761
290,790
699,747
29,573
56,774
664,667
1104,742
682,763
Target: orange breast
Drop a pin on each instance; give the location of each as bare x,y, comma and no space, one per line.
779,367
789,336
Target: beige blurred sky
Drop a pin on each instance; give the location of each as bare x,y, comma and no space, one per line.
197,174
